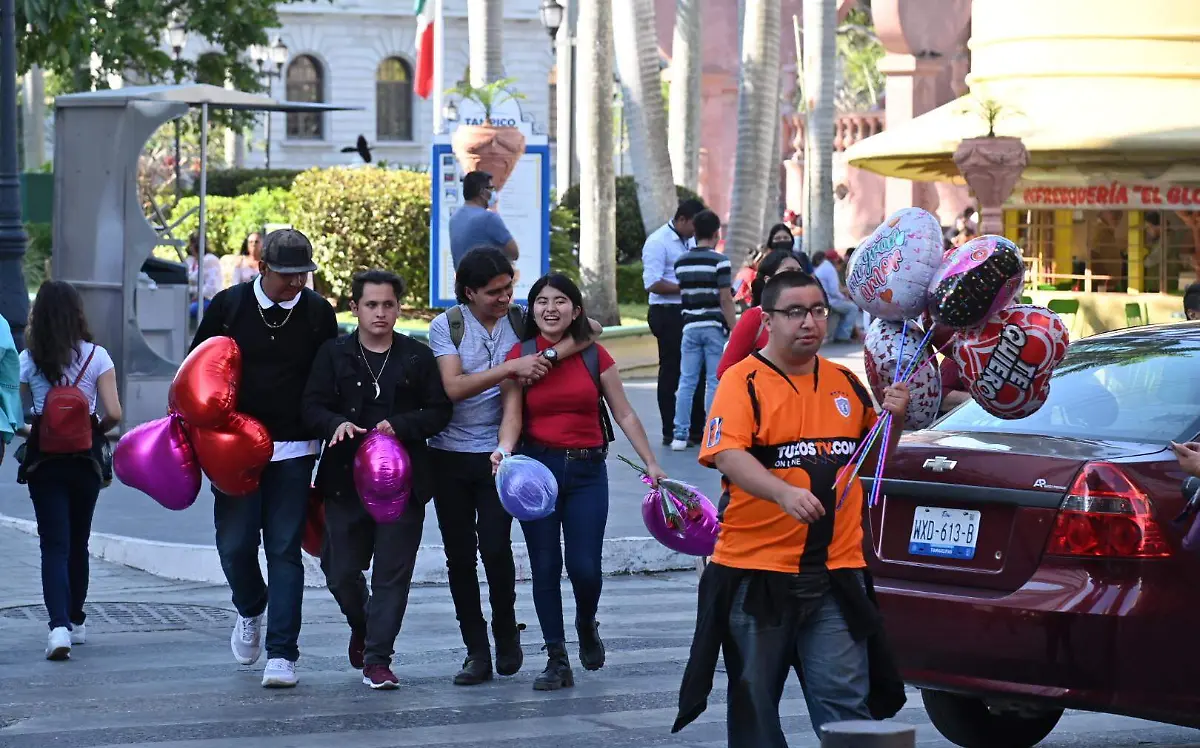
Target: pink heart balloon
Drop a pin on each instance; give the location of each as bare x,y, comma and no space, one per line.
157,459
383,476
697,537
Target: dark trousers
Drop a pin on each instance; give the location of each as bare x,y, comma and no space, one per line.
579,519
275,513
64,491
759,656
471,519
666,324
352,538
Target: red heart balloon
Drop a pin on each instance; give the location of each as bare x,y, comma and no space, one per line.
1008,362
314,524
234,455
204,391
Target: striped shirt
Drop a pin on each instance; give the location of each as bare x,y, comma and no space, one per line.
702,273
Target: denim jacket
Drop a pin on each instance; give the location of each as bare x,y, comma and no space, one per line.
12,416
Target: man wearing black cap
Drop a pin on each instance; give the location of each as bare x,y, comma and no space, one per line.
278,325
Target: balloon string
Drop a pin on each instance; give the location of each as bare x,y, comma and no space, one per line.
900,357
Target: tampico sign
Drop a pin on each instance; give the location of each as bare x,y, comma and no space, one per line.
1110,196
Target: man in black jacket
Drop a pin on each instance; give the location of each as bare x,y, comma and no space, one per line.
373,378
278,325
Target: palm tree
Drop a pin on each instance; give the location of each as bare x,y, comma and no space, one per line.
597,183
645,116
757,116
683,128
485,30
820,69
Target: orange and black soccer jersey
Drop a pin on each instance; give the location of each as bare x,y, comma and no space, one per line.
803,429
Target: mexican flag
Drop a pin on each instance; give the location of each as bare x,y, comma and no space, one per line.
424,82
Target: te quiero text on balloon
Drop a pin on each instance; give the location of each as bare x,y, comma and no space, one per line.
1005,364
883,257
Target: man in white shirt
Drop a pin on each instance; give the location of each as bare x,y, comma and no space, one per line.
825,268
659,253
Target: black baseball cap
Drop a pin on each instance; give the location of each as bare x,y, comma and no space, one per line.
288,251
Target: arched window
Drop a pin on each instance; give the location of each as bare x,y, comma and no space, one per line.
305,83
393,100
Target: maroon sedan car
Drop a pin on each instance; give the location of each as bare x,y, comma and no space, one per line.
1026,567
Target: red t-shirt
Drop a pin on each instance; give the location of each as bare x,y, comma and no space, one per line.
562,409
744,340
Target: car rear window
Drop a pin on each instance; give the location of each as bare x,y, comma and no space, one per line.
1144,389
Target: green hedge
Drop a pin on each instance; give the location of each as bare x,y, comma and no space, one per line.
629,284
631,235
37,253
234,182
366,218
231,219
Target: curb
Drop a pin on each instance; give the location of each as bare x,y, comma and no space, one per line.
199,563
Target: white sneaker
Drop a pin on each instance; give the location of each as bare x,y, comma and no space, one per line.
678,445
246,640
279,673
58,645
79,633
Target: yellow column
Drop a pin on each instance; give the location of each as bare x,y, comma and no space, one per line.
1010,225
1137,253
1064,242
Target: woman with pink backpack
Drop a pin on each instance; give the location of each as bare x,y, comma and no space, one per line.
65,461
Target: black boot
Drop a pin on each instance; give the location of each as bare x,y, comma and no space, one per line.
591,648
558,670
475,670
509,656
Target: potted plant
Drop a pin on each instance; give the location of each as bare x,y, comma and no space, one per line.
487,147
991,164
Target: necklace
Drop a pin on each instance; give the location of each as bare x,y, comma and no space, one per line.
271,326
381,368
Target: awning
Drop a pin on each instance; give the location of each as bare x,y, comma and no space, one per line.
1076,131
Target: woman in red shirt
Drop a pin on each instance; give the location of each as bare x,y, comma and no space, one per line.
559,421
749,335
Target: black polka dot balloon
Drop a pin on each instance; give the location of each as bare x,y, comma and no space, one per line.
975,281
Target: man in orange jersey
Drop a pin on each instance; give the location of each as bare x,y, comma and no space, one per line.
787,587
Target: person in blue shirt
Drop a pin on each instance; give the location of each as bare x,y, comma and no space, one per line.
12,418
474,225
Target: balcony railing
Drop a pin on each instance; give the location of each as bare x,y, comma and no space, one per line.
848,129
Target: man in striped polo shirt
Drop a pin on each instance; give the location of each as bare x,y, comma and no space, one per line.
708,316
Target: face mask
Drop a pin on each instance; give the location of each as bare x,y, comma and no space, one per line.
492,199
781,244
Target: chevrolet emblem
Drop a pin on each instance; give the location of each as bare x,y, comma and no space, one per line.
940,464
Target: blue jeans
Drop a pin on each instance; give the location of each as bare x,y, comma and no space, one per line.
845,314
702,348
64,492
580,516
276,512
758,658
194,307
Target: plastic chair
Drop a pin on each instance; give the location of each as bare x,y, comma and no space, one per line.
1026,299
1134,315
1069,310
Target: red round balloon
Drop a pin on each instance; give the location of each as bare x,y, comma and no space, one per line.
313,538
234,455
1007,363
204,391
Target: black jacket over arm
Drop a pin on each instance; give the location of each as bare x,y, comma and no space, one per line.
339,388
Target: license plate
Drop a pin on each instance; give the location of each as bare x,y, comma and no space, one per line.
946,533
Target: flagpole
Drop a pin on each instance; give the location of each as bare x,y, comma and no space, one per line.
439,48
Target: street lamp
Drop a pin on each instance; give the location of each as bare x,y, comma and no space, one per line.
14,299
552,16
176,38
277,55
450,112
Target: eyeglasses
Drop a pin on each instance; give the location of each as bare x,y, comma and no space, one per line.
798,313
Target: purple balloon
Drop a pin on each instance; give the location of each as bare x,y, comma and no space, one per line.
527,488
697,537
157,459
383,476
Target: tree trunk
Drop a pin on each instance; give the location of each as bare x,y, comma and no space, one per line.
820,68
646,120
771,213
683,131
597,183
485,30
757,110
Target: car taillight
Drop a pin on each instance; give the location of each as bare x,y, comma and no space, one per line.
1105,515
